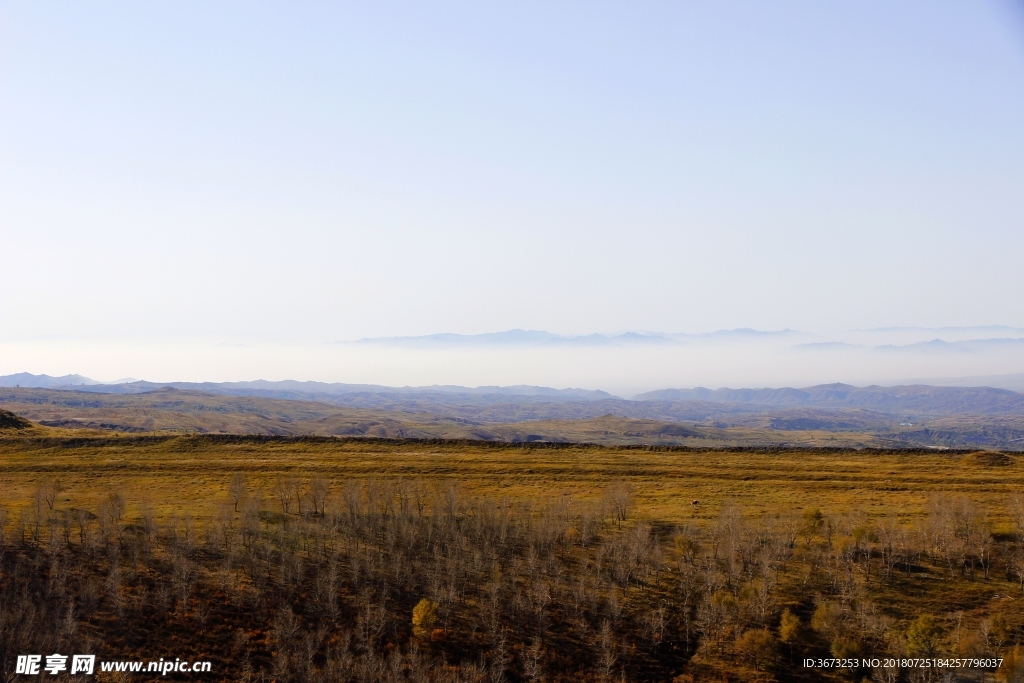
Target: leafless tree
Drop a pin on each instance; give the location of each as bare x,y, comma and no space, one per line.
607,655
238,488
532,662
285,489
51,488
318,489
620,497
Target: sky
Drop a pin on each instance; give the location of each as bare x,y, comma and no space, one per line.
177,177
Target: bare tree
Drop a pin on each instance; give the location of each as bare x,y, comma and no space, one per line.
608,654
51,488
38,513
113,508
620,496
285,488
499,661
238,487
318,489
532,658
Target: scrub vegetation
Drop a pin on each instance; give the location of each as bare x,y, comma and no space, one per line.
321,559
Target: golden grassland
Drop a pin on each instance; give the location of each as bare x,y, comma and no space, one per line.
193,471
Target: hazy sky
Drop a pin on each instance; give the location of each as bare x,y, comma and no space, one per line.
306,171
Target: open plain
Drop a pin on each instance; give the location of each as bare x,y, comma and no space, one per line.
192,472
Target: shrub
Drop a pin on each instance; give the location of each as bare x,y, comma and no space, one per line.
758,645
789,626
424,614
923,636
845,647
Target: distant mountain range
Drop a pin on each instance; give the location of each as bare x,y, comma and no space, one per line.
541,338
890,338
933,345
295,389
28,380
986,329
508,403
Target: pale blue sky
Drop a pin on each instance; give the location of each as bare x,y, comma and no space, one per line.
305,171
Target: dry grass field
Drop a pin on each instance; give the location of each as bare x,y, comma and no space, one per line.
192,472
789,554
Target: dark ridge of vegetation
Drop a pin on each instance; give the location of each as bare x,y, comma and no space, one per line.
9,420
264,439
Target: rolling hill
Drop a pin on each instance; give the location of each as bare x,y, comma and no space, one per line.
608,422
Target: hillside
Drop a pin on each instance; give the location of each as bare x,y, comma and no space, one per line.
11,422
694,424
192,411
